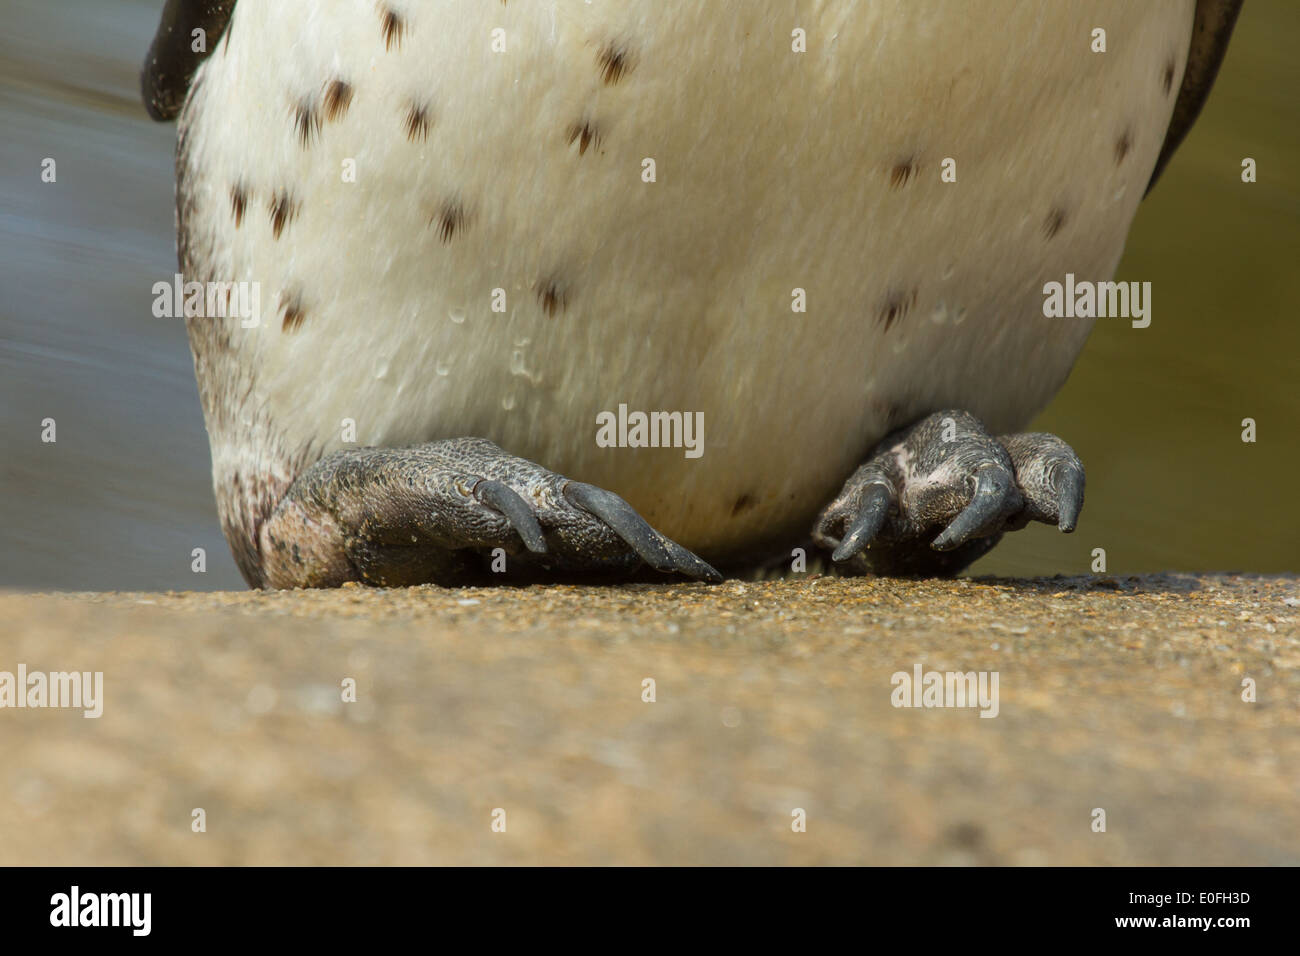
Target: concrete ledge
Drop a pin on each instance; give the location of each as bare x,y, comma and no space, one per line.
1116,693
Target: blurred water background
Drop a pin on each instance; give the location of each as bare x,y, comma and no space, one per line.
124,495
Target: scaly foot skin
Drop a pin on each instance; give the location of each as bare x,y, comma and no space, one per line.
937,495
436,512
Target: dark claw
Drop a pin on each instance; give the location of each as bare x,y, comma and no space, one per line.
1069,498
652,547
623,521
871,517
689,564
515,510
992,486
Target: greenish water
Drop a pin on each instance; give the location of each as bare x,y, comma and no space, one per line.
124,495
1156,413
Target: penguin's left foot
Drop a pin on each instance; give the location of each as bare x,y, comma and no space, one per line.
935,496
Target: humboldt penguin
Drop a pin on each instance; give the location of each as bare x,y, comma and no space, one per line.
814,235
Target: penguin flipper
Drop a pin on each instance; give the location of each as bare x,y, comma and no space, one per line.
172,59
1211,32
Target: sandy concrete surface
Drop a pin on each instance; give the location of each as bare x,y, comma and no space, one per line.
1123,694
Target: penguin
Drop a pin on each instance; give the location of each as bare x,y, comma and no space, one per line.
564,289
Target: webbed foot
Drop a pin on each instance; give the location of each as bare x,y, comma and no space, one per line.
445,512
935,496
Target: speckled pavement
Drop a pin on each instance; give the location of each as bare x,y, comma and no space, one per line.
1123,694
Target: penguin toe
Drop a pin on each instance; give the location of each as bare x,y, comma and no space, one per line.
994,488
1050,477
653,548
870,519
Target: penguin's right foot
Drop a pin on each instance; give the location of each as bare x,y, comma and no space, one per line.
937,495
452,512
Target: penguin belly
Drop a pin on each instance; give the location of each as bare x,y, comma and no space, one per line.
800,224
